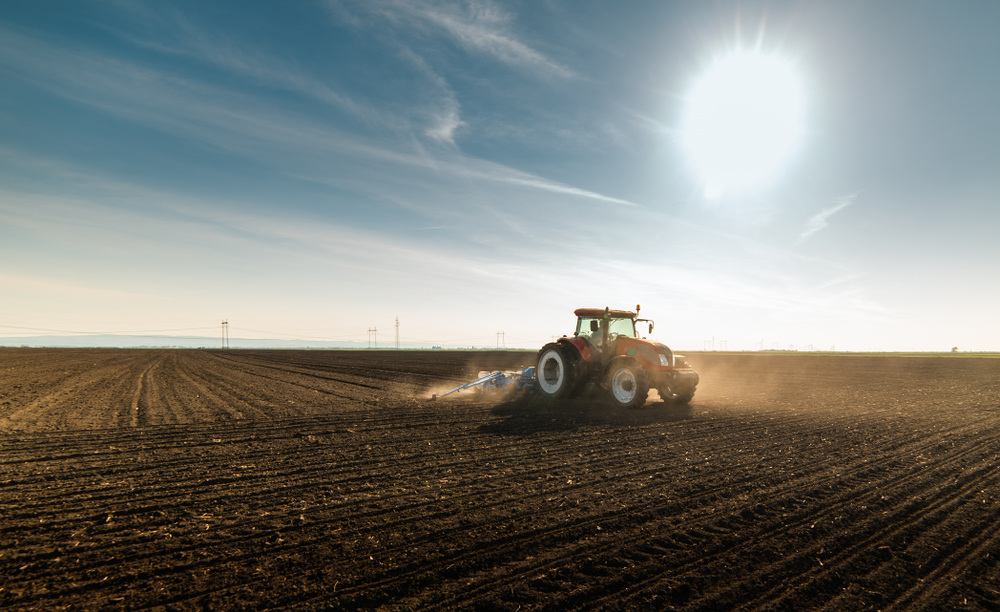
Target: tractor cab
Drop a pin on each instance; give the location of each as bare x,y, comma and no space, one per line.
603,328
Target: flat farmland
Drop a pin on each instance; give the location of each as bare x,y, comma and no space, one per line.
326,480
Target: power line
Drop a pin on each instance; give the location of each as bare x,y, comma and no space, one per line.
225,336
203,339
102,333
298,337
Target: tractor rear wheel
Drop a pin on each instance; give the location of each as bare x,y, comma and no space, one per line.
628,384
556,370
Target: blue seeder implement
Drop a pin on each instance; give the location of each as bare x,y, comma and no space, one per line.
500,383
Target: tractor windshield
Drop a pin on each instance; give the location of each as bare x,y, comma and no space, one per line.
621,327
590,328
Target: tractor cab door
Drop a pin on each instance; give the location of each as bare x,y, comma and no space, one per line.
589,328
619,328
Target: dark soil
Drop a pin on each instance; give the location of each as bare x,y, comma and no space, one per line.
302,480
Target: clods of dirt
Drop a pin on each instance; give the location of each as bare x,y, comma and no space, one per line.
190,480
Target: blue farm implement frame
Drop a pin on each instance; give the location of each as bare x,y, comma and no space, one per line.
499,383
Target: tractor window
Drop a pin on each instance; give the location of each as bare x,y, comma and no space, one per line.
621,327
583,327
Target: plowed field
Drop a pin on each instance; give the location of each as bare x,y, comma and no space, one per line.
302,480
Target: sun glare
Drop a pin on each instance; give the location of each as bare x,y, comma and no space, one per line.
742,121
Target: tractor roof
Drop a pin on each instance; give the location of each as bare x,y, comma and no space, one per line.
599,312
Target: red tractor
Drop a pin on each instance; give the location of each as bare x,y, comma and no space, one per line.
606,353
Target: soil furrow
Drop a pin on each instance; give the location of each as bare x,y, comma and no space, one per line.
149,479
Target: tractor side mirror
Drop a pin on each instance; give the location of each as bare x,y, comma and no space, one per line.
650,327
594,325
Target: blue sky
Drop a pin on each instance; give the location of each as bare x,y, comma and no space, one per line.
314,169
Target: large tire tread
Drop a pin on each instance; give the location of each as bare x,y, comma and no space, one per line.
570,376
641,382
677,399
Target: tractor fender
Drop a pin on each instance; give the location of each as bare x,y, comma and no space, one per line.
611,365
580,345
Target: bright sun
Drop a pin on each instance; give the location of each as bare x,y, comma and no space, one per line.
742,121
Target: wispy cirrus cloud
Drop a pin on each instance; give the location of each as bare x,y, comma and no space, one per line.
434,111
243,125
821,219
538,183
446,119
168,31
478,26
445,124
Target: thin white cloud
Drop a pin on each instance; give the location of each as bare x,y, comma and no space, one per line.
447,119
445,126
821,220
187,243
477,26
647,123
175,35
182,237
235,122
484,27
564,189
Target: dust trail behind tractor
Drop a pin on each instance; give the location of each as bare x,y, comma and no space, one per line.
499,384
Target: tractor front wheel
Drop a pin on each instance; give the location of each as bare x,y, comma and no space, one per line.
556,371
679,397
628,384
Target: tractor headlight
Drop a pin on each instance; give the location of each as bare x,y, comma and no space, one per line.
664,360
